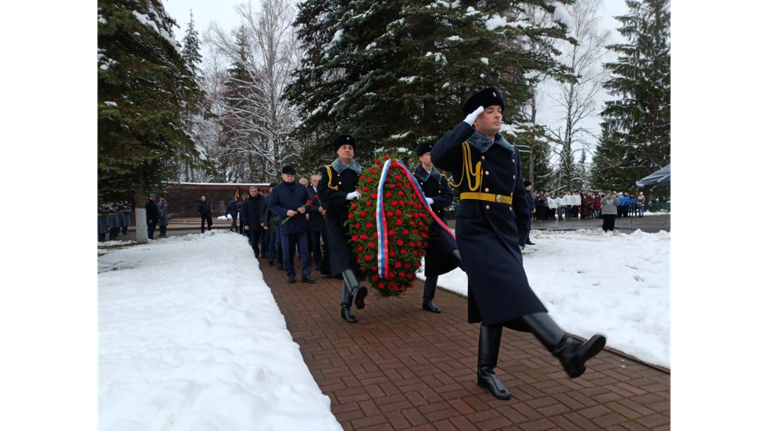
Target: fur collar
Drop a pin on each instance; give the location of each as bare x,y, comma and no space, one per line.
421,174
339,167
482,144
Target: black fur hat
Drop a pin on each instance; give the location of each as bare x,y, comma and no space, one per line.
288,169
343,140
485,98
423,148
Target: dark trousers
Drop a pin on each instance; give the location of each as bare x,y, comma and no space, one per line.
528,237
233,226
289,242
254,236
102,236
113,232
202,223
125,230
316,248
162,231
151,230
609,221
274,244
265,234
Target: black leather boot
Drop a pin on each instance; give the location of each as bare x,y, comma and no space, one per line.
356,290
457,258
573,354
430,285
346,303
487,355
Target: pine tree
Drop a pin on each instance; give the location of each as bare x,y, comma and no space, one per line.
396,73
191,50
239,94
143,87
636,137
535,140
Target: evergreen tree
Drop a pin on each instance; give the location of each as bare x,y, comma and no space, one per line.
636,136
143,87
534,140
191,50
396,73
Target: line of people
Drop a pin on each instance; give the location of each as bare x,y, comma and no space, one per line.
584,205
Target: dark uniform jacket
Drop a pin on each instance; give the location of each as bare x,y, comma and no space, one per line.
252,212
162,219
440,244
316,220
127,215
152,212
531,201
103,213
204,208
338,180
232,209
289,196
120,216
113,217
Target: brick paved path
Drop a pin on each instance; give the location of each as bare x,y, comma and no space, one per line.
402,368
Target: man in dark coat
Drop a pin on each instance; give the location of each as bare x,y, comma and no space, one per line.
289,200
251,212
120,219
442,252
337,188
152,216
317,230
232,211
204,209
531,208
162,219
491,227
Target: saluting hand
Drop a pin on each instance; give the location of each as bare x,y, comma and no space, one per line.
473,116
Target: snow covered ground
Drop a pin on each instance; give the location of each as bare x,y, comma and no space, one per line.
191,339
595,282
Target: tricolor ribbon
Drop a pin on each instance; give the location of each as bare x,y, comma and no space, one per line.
381,220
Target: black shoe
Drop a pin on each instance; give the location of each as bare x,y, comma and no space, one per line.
430,286
574,354
347,315
354,288
291,279
362,292
487,357
487,379
307,279
271,262
528,242
429,306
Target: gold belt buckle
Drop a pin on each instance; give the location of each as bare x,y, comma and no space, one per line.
498,199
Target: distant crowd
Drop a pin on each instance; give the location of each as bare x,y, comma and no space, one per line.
586,205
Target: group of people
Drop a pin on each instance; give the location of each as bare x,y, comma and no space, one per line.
492,225
584,205
114,219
